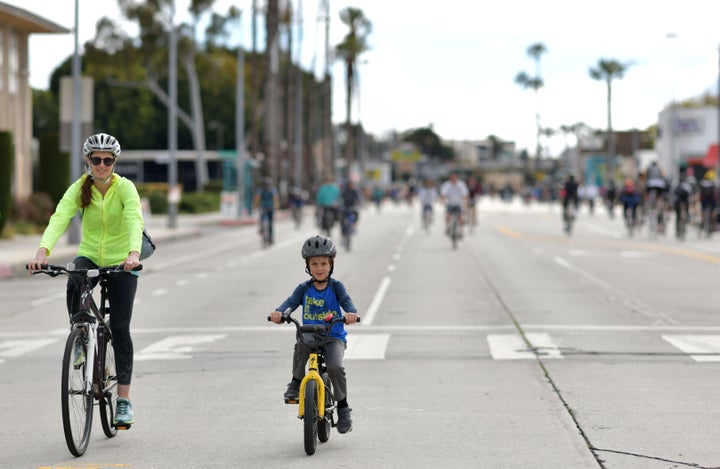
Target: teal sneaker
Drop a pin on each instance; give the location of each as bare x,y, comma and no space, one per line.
124,416
79,354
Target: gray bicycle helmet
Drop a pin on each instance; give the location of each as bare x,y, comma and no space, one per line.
319,246
101,142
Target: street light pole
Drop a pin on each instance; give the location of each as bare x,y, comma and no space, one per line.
172,124
298,103
75,160
240,122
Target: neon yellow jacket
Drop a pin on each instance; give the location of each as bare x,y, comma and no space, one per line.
112,225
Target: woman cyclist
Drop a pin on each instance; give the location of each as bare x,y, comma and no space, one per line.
112,226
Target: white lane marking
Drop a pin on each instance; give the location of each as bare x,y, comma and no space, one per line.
630,301
513,347
48,299
367,347
702,348
159,292
16,348
176,347
369,315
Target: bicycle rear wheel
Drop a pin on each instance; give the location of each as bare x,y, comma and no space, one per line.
108,398
310,418
77,402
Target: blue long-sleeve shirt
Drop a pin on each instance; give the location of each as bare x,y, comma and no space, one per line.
316,304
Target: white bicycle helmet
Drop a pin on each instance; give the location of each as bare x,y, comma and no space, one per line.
101,142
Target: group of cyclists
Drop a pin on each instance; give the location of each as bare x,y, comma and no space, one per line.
340,203
653,199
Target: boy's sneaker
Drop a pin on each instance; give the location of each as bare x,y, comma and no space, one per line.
124,413
344,423
293,390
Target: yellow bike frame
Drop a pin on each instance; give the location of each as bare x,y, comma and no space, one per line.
312,374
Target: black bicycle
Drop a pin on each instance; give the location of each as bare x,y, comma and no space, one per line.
88,368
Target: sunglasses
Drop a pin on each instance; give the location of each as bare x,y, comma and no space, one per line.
96,161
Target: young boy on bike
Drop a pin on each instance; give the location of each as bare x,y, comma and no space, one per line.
319,296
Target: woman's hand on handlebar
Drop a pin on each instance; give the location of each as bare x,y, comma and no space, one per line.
39,261
351,318
132,261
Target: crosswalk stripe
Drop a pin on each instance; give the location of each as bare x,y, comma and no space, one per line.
176,347
367,347
701,348
513,347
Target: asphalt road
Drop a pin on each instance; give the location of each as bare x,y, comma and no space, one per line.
525,348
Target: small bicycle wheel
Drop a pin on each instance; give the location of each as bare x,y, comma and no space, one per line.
325,422
108,398
77,402
310,418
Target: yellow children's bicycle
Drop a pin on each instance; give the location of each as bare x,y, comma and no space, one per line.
316,400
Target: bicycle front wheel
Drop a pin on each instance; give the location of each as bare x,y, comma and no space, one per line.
108,397
77,402
324,423
310,418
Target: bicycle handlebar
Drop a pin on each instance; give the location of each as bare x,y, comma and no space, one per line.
106,271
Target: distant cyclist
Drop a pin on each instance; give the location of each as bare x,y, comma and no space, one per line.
454,193
474,193
327,201
351,200
630,200
570,195
708,201
428,195
267,199
682,198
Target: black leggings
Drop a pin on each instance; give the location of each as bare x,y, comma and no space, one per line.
121,295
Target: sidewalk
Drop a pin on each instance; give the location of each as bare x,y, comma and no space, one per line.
15,253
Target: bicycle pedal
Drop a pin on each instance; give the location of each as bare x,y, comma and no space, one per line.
292,401
123,426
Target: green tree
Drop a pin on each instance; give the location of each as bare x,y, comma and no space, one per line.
608,70
353,45
147,59
429,143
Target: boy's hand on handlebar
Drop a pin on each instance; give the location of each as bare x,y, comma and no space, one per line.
276,317
351,318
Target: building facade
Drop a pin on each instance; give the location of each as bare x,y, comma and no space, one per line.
16,26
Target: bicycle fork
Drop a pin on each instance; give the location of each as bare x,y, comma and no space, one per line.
90,346
312,374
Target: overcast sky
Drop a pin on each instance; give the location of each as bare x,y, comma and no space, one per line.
452,64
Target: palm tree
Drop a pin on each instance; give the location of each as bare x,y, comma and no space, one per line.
353,45
607,70
535,51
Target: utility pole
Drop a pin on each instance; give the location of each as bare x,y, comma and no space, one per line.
298,102
240,123
75,159
173,190
328,144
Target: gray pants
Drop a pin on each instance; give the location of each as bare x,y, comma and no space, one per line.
334,352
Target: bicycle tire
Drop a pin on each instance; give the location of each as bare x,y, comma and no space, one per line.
77,403
265,232
310,418
108,393
325,423
454,233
